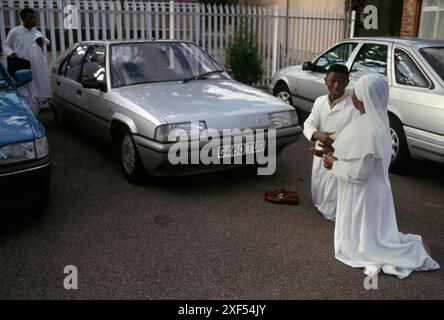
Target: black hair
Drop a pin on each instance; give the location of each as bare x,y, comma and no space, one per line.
339,68
24,12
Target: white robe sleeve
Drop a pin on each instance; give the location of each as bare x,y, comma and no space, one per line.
9,43
355,171
311,125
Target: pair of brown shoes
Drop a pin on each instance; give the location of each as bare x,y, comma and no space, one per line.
283,196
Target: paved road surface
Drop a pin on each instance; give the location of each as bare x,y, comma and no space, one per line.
202,237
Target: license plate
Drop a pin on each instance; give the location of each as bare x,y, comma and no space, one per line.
236,150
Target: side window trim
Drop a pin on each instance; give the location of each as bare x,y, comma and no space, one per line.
93,47
354,54
65,63
81,63
424,74
81,67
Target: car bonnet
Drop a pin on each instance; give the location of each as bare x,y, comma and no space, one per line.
16,123
219,102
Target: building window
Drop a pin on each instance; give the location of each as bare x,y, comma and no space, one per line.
432,20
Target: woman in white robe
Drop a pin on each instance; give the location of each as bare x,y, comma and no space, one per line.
40,88
366,232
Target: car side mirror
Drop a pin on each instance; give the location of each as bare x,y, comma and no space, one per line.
22,77
94,84
308,66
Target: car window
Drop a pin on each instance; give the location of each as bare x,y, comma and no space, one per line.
407,71
435,58
94,65
372,58
339,54
136,63
75,63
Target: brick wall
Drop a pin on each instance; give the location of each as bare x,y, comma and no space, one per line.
411,15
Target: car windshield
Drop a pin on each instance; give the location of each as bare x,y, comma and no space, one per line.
4,83
148,62
435,57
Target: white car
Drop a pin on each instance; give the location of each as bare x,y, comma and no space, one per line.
135,93
415,71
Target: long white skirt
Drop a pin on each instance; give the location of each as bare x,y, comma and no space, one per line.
366,232
324,190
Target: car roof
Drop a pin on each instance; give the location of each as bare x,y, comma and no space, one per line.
401,40
106,42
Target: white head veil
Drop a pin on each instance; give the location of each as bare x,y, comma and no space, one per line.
375,139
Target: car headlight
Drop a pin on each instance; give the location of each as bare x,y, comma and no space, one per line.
17,152
181,130
23,151
284,119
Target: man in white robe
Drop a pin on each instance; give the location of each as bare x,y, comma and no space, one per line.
330,114
18,43
366,232
40,87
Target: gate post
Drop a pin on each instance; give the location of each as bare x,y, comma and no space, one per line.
172,31
276,40
352,24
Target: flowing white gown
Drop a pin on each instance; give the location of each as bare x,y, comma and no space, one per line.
366,232
40,87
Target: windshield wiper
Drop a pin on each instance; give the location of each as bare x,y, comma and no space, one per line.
200,76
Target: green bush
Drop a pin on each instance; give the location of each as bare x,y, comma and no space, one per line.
243,57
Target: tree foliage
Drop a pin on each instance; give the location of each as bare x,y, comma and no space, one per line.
243,57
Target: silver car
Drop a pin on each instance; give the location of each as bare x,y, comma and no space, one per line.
135,94
415,70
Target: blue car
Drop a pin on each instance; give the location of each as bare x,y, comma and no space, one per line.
24,152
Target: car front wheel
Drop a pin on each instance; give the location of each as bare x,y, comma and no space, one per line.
282,92
58,118
400,152
130,159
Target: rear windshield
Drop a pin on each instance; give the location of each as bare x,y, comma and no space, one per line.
435,58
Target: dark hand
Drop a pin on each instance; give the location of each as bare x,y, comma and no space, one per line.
329,159
39,42
324,138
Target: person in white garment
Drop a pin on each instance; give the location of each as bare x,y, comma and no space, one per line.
18,44
366,231
330,114
40,87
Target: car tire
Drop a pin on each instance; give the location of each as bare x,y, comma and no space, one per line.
282,92
41,200
130,161
400,151
44,197
58,118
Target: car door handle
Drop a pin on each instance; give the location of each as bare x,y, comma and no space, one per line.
79,92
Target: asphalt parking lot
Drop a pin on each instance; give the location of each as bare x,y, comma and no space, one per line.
198,237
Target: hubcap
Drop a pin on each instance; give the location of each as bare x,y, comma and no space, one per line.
284,96
128,154
395,144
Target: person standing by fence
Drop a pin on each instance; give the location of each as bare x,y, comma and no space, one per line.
18,45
